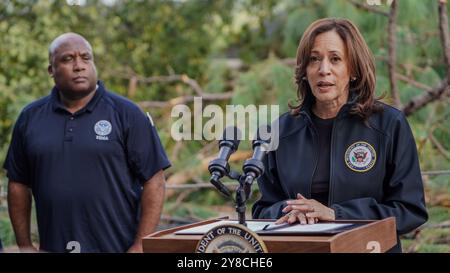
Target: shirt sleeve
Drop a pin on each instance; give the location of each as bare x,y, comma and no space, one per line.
146,156
16,163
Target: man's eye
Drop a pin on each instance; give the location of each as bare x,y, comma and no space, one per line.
67,59
86,57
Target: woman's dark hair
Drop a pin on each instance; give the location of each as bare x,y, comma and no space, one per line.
360,61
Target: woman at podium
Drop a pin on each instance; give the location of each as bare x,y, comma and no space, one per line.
342,153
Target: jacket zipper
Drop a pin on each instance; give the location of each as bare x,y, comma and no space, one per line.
316,157
330,187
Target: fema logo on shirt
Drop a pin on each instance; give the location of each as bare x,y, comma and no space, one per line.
102,128
360,156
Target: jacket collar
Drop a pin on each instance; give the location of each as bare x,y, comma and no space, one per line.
306,109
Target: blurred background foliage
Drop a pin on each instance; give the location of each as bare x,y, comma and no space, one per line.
242,47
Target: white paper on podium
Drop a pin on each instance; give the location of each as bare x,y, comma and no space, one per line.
268,227
319,227
252,225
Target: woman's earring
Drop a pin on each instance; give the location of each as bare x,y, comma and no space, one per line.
352,79
304,78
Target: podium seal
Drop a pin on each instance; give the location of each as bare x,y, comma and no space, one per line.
231,238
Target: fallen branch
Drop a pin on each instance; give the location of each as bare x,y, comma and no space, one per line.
132,85
128,73
176,149
197,186
439,146
291,62
185,99
421,100
173,78
413,82
435,173
182,196
445,224
176,220
185,176
444,32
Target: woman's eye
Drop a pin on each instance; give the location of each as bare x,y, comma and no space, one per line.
313,59
335,59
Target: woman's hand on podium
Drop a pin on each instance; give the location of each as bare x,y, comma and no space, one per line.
293,215
310,208
296,216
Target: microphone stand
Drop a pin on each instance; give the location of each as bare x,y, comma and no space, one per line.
252,167
242,194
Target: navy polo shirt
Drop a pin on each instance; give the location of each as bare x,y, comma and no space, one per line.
85,170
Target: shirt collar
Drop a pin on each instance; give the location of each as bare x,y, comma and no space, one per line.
57,104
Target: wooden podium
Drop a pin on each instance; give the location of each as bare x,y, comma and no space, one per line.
371,236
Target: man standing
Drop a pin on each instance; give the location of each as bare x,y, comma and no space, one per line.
91,159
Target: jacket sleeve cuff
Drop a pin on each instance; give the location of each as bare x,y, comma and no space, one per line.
338,212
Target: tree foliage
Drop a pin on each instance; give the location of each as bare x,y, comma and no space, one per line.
245,47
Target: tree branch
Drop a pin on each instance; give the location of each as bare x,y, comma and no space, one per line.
439,146
186,175
185,99
368,8
413,82
132,85
444,32
421,100
176,149
392,41
134,79
173,78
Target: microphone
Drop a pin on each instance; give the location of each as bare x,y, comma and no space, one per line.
219,167
253,167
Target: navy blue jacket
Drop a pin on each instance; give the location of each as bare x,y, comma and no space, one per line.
374,170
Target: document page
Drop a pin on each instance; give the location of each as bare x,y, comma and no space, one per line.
252,225
266,227
319,227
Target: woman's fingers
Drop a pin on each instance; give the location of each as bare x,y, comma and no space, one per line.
292,218
302,208
297,202
287,209
311,220
299,196
301,218
314,214
304,214
282,219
